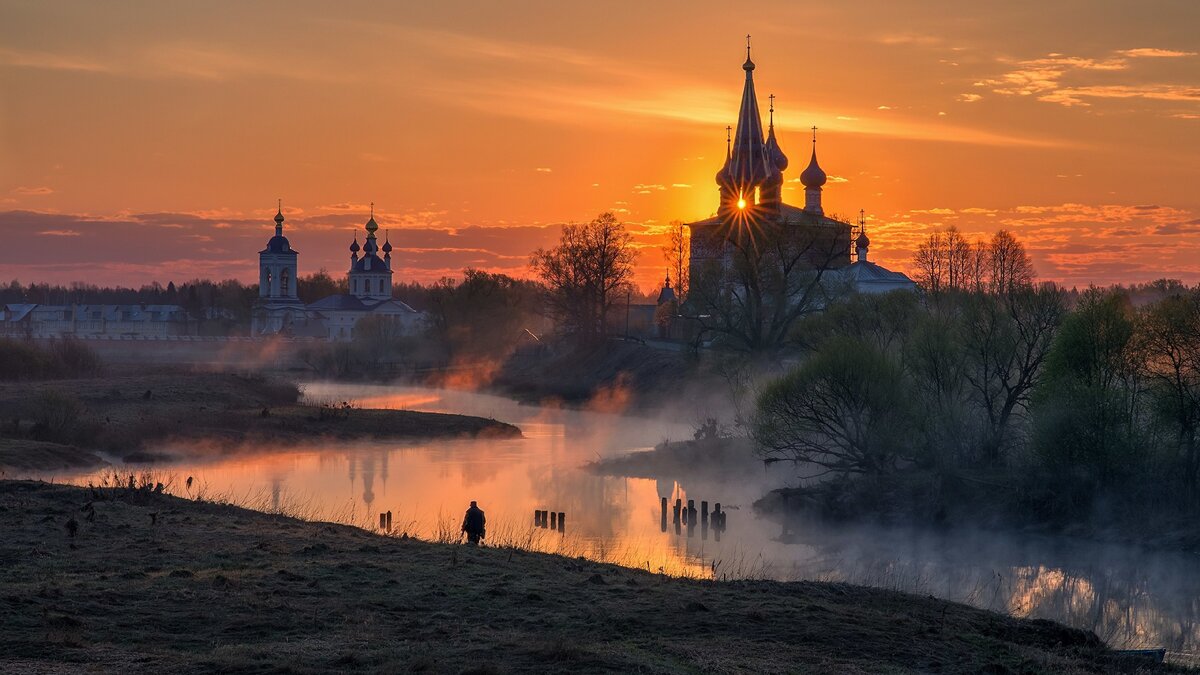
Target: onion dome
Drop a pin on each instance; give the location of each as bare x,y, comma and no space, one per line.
774,153
723,179
371,226
369,246
354,248
387,246
279,217
813,176
862,241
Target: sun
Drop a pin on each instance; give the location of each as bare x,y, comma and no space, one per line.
741,202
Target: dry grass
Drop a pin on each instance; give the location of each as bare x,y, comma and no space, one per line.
205,587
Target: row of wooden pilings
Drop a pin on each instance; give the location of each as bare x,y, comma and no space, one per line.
385,521
551,520
682,516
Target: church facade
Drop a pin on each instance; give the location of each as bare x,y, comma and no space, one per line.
750,186
280,311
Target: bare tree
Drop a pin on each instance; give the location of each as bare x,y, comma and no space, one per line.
1167,340
774,274
959,255
677,251
586,274
1006,340
845,411
931,263
1009,264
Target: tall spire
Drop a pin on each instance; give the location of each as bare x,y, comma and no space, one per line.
748,167
279,218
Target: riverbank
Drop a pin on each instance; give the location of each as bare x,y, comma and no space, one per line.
712,458
157,583
49,425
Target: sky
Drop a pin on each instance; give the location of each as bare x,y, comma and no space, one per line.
149,141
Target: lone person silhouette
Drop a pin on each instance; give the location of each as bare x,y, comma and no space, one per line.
473,524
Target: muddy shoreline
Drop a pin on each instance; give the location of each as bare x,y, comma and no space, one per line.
51,425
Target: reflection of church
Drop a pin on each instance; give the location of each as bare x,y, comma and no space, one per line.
751,197
279,310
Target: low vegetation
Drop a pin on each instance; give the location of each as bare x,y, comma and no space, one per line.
1032,407
60,358
128,579
126,413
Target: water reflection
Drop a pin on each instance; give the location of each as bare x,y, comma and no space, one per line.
1128,597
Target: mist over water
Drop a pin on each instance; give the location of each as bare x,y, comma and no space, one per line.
1129,597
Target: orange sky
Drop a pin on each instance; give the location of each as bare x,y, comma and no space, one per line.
149,141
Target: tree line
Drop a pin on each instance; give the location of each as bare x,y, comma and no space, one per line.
991,393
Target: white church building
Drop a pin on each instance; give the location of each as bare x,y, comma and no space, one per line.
279,310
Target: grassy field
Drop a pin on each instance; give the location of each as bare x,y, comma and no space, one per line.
154,583
53,424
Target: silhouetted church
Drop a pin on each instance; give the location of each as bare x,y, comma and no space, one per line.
279,310
751,198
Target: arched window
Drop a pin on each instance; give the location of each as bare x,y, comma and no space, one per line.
285,282
381,286
270,280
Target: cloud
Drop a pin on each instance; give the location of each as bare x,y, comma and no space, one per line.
33,191
1151,52
49,61
680,185
60,233
1159,92
1055,79
1188,227
188,59
969,98
543,169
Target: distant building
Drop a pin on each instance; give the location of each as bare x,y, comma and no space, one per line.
107,321
279,310
751,195
278,306
865,276
645,320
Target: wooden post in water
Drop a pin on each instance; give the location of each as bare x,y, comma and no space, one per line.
389,521
554,520
704,520
382,521
691,517
678,507
537,517
562,521
663,522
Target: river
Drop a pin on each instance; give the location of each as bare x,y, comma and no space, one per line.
1129,597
